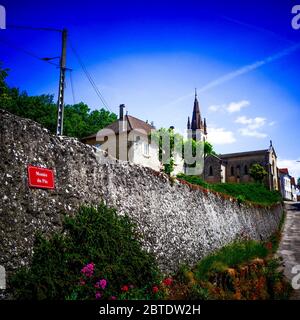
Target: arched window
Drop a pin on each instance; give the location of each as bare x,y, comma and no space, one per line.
232,171
246,170
211,171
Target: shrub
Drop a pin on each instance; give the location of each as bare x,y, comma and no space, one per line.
95,236
229,256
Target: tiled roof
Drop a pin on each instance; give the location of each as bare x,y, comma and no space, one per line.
284,170
132,124
241,154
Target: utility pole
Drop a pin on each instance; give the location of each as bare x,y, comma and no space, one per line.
61,89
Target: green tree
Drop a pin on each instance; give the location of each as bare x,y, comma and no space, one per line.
177,145
258,173
79,120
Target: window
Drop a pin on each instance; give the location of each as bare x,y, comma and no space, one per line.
246,170
232,171
146,148
211,171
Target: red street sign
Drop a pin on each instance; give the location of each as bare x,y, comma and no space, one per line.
40,178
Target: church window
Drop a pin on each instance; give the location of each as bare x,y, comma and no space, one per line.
211,171
232,171
246,170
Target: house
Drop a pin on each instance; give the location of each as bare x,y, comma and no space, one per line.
127,139
235,167
294,189
285,184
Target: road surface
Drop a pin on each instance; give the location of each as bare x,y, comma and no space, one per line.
289,248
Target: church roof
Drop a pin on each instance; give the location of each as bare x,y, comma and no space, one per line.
244,154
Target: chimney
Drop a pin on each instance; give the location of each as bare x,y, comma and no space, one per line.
121,112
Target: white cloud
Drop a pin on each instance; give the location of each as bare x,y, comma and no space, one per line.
237,106
252,133
220,136
252,123
251,126
215,108
230,107
292,165
272,123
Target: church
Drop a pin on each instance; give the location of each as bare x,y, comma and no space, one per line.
233,167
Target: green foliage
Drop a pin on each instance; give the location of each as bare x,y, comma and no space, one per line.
197,292
193,180
241,191
258,172
248,192
79,121
277,287
95,235
229,256
177,144
276,236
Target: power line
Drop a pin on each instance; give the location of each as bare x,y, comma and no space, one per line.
12,45
32,28
89,77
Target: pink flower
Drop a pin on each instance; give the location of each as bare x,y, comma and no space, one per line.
167,282
155,289
88,270
103,283
124,288
98,295
113,298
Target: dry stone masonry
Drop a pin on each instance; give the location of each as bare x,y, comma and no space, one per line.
178,224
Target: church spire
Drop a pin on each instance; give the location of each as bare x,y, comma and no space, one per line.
189,123
196,118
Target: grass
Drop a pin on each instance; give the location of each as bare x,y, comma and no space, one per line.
252,192
228,257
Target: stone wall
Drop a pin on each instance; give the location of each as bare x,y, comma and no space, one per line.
180,223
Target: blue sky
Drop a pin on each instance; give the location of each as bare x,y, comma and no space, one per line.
243,56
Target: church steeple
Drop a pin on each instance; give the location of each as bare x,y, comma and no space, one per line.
196,118
197,123
189,123
205,127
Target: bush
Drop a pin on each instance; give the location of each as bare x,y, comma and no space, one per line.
229,256
95,236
